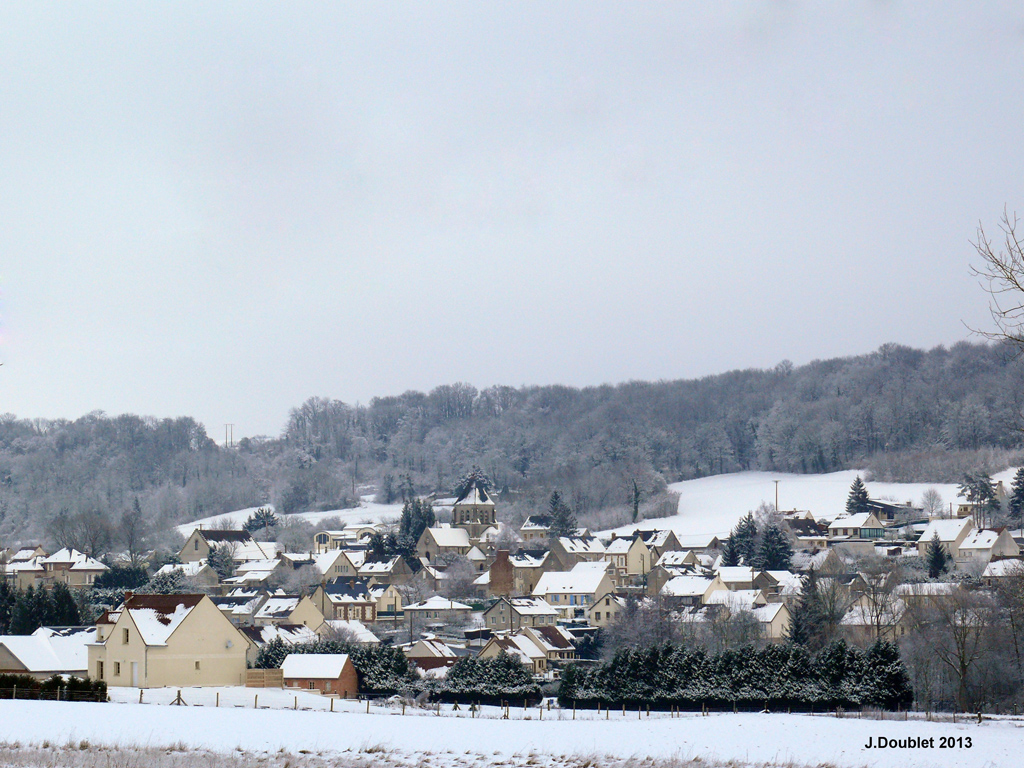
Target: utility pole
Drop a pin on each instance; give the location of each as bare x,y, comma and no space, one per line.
229,435
776,495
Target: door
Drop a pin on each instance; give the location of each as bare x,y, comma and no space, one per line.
135,674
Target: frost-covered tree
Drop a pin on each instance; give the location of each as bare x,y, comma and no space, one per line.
932,503
745,538
1015,502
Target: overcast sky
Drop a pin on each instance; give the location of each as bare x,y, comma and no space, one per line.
218,210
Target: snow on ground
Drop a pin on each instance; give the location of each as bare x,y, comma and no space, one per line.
711,506
753,738
367,511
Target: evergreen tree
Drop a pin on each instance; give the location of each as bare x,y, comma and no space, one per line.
634,499
731,552
65,609
775,551
745,535
936,557
799,632
221,560
563,521
886,681
122,577
263,519
8,597
1015,504
857,501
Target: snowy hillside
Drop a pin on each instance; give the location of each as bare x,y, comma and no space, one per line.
712,505
367,511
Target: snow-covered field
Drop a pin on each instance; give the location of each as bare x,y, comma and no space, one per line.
711,506
448,740
366,512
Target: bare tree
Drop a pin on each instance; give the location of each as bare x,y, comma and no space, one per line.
954,625
133,532
1002,274
932,503
881,605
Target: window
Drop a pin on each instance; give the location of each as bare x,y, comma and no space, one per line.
117,668
197,666
597,616
195,545
124,636
99,670
311,685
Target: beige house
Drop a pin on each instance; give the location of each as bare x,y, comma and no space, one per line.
198,573
291,609
660,542
340,563
47,652
605,610
573,592
393,571
630,556
442,541
347,601
155,641
439,609
536,529
951,535
538,647
864,525
388,599
516,612
691,590
528,565
570,550
71,567
988,544
202,541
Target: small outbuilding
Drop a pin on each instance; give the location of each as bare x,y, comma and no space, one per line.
325,673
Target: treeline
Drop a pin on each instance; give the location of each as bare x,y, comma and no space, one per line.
772,676
23,612
910,414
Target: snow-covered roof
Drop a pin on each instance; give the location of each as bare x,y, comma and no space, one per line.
78,561
582,545
1000,568
948,530
278,607
430,647
189,570
474,495
766,613
356,629
863,616
532,606
158,616
738,599
450,537
323,666
584,578
378,566
288,633
620,546
850,521
736,574
671,559
438,603
789,583
654,538
925,588
686,586
980,539
524,559
475,554
536,523
49,650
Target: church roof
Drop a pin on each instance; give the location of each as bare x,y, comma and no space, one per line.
474,495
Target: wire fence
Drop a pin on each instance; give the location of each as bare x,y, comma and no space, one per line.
59,694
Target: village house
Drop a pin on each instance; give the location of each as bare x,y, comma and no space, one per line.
863,525
346,601
998,571
659,542
241,605
430,653
340,563
198,574
439,609
605,610
516,612
241,543
156,641
388,602
821,561
355,535
987,544
538,647
289,609
572,592
528,565
330,674
536,529
500,576
351,631
951,535
629,556
690,591
393,571
570,550
70,567
437,542
46,652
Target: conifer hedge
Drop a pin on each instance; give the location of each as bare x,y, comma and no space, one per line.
776,676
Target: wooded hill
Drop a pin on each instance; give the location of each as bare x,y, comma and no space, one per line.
906,414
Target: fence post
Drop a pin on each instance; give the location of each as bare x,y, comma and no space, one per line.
256,701
140,695
368,707
574,709
14,693
296,704
332,705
